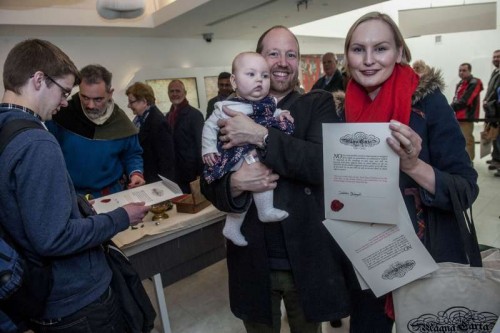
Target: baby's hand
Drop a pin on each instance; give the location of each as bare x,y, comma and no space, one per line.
285,114
210,159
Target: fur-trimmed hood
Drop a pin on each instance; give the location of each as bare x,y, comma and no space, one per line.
429,82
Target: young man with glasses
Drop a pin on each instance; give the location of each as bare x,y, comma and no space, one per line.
39,205
65,92
99,142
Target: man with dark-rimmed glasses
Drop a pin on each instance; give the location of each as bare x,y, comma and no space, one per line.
99,142
38,203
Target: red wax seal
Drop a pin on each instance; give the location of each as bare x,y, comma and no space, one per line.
336,205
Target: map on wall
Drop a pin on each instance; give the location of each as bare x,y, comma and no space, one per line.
211,89
160,88
311,68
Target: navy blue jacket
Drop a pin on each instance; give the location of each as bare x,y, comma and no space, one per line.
40,209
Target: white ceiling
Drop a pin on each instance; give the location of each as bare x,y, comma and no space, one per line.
415,17
226,19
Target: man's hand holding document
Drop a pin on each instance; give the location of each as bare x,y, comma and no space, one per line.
364,207
151,194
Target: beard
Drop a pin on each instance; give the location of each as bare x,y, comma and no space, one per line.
94,114
284,86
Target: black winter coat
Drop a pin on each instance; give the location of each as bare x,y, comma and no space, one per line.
187,146
318,264
335,84
157,143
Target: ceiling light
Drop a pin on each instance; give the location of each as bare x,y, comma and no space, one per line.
115,9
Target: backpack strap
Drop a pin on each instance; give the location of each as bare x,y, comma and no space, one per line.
8,131
14,127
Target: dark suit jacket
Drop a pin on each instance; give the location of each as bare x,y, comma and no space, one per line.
156,140
318,264
187,145
335,83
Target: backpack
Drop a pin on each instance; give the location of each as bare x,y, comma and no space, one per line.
25,284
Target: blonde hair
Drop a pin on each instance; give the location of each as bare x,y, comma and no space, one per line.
398,37
420,67
239,56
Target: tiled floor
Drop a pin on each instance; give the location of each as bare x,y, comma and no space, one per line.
199,303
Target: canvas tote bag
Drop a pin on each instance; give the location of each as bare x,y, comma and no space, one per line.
456,297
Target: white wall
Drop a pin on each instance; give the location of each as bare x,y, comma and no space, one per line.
475,48
133,59
138,59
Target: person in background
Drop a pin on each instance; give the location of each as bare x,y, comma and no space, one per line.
489,102
187,124
425,135
99,142
466,105
155,135
429,76
332,80
295,260
225,89
39,203
420,67
497,174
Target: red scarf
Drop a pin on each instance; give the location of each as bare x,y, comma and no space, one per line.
392,102
173,113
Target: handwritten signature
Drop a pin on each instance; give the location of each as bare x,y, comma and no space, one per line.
352,194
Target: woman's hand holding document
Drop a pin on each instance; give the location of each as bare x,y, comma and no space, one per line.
364,207
361,173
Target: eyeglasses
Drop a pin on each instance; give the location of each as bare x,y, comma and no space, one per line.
65,92
132,102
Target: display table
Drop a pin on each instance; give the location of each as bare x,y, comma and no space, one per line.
173,248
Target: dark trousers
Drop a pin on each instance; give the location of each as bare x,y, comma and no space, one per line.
101,316
368,313
496,149
283,287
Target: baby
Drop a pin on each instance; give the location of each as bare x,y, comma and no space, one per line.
250,80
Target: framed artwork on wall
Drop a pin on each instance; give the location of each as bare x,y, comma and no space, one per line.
211,89
311,68
160,88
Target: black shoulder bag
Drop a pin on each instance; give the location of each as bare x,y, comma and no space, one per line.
136,307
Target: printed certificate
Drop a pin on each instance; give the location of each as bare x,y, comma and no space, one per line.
150,193
386,256
361,173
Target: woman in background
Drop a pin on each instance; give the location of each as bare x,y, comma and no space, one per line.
155,135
